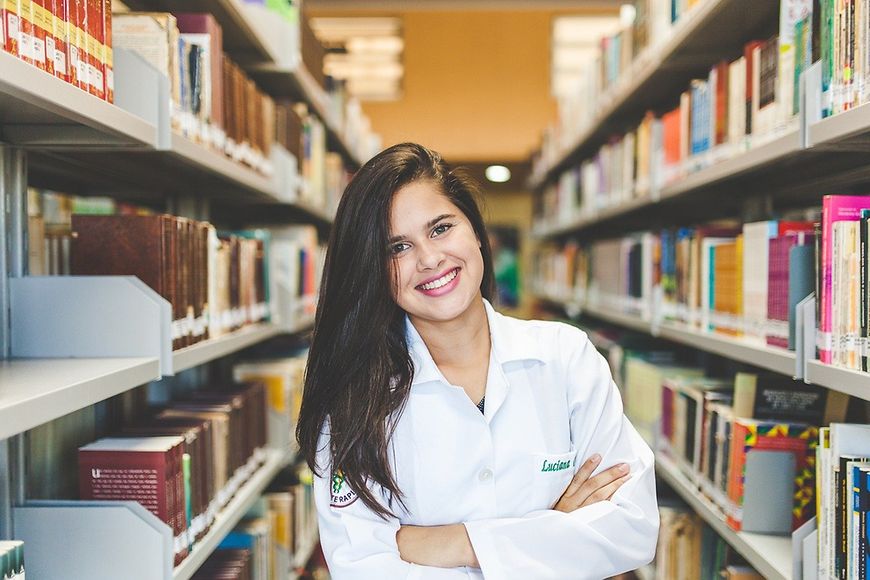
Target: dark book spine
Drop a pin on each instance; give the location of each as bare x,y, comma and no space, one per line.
862,344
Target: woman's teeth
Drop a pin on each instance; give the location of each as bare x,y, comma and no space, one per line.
441,281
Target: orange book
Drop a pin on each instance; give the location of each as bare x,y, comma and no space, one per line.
59,36
76,23
671,125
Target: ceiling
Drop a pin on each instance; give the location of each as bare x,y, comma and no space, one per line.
476,83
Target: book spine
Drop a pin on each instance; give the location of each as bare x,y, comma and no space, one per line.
865,217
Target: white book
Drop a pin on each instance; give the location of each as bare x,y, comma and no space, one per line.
737,100
756,240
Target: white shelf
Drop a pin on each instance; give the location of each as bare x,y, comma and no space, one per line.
665,69
771,556
745,350
232,513
40,110
753,352
841,127
219,165
35,391
854,383
211,349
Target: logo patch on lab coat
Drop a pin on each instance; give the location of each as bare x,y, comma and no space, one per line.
342,495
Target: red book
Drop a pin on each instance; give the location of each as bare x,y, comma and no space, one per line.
95,48
108,55
9,26
43,39
143,469
25,30
77,42
59,35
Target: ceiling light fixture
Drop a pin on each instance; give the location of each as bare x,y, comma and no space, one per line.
498,173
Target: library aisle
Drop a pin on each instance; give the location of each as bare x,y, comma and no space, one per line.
686,181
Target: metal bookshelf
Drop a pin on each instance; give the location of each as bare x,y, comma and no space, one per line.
663,70
211,349
309,543
770,555
39,110
35,391
851,382
232,513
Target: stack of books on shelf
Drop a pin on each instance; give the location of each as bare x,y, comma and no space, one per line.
184,463
689,548
266,543
215,281
742,280
765,453
12,560
70,39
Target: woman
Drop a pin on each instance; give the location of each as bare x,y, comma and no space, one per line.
444,436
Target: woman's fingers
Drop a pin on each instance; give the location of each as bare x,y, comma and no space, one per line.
582,474
606,492
597,482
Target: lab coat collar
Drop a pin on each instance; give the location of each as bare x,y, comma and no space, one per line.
511,342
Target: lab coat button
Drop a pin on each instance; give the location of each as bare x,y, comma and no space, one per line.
485,475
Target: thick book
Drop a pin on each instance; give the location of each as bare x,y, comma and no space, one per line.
203,30
835,208
799,439
756,264
145,469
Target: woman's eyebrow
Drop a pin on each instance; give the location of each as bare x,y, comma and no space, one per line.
431,223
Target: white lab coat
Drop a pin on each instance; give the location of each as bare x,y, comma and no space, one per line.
550,404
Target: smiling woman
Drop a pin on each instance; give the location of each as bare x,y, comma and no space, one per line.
478,446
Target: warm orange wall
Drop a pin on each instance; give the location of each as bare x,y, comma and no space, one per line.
476,84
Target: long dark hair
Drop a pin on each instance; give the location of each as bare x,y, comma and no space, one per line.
359,370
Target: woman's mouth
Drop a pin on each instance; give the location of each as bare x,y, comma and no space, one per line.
441,285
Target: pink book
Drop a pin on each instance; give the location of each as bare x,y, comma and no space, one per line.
835,208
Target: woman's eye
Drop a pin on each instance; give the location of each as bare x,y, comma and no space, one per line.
398,248
441,228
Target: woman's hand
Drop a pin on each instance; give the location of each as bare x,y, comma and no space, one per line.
439,546
585,490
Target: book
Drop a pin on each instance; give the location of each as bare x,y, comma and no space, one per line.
12,559
799,439
835,208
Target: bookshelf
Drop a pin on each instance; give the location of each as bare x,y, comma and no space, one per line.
232,513
663,70
309,543
54,135
751,352
39,110
770,555
36,391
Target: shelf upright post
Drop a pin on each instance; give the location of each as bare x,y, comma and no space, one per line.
13,264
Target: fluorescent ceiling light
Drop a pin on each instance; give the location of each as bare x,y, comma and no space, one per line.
498,173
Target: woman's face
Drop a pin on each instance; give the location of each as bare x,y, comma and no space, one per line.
437,262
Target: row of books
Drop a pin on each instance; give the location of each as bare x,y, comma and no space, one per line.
652,25
185,462
747,442
276,528
71,39
213,101
12,560
215,281
738,279
753,95
689,548
737,106
843,40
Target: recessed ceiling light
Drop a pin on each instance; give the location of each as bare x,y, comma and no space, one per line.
498,173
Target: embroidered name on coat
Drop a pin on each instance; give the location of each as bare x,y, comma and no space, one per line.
341,493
